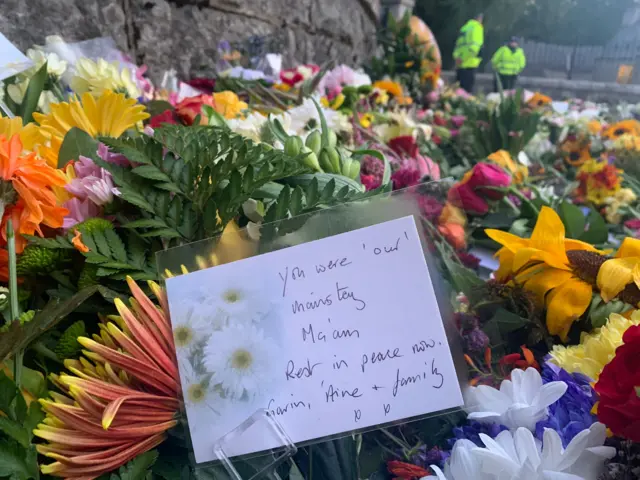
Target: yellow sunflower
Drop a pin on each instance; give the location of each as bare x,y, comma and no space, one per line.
519,172
625,127
110,114
576,152
553,268
620,276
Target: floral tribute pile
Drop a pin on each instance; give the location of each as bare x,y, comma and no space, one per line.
532,207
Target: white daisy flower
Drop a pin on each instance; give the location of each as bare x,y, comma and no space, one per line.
199,397
241,360
190,324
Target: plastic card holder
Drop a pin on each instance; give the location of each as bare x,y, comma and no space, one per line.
232,434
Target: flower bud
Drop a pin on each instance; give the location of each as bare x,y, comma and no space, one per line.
333,139
354,171
314,142
292,146
325,162
311,159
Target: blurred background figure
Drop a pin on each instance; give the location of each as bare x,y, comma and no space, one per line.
467,52
508,62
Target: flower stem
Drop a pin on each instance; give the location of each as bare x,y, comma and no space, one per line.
13,298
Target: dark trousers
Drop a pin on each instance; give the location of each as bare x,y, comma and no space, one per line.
508,82
466,78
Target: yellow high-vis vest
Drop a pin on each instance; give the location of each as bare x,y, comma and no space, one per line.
469,44
509,62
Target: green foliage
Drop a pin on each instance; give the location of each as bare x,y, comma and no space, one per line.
39,260
198,186
18,336
113,259
592,229
17,455
308,193
68,345
76,142
32,95
138,468
332,460
400,59
506,126
17,462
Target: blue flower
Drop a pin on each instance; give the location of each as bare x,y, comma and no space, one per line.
571,414
472,432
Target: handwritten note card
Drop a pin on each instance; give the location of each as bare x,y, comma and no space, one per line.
12,61
330,336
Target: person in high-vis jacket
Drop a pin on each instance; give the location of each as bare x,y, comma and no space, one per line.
508,62
467,52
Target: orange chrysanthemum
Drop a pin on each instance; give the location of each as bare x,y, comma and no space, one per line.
119,399
27,197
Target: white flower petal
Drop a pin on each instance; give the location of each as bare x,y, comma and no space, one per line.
526,448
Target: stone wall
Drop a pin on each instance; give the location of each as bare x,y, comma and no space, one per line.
184,33
560,88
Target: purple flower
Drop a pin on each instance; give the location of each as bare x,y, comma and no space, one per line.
472,432
571,414
475,341
79,211
115,158
425,457
92,182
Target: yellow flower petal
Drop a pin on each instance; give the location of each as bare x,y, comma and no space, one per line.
565,304
614,275
546,280
508,240
630,248
548,234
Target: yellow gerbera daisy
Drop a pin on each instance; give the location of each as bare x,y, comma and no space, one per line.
30,135
110,114
549,266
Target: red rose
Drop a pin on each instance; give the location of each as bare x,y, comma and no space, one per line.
619,406
404,145
189,108
469,193
165,117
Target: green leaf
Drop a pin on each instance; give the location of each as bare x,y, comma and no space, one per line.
145,223
116,245
52,243
68,346
76,142
32,95
17,462
35,416
332,460
596,232
156,107
507,321
465,280
138,468
573,219
15,430
18,337
7,393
